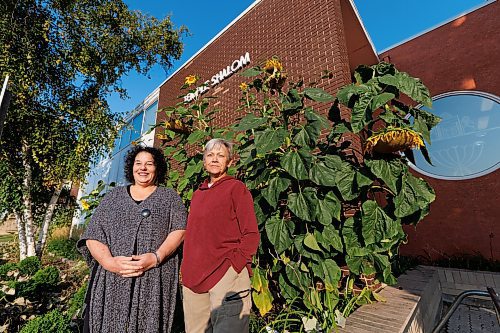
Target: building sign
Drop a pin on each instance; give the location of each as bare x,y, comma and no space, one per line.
223,74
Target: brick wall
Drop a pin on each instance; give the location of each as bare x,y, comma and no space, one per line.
307,35
461,55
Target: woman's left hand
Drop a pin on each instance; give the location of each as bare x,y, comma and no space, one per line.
146,260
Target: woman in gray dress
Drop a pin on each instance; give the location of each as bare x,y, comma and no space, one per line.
130,245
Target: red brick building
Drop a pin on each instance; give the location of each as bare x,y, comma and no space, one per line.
460,57
307,36
310,36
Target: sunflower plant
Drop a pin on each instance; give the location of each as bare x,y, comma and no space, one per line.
186,126
330,204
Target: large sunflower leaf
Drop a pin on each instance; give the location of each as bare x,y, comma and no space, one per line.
415,194
293,164
328,209
381,99
377,226
272,192
279,233
322,174
270,139
361,113
329,272
332,236
318,95
311,242
250,121
388,171
410,86
303,204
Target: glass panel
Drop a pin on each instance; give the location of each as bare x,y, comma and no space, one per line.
136,125
150,117
116,146
113,168
120,164
125,137
465,143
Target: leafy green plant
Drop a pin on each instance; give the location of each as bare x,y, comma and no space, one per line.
44,281
63,215
329,194
29,266
5,269
51,322
90,201
76,302
189,124
47,277
63,247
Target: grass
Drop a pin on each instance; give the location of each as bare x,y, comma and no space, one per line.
6,238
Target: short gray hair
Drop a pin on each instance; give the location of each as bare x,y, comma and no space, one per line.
216,143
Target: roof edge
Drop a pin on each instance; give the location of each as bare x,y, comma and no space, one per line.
211,41
355,9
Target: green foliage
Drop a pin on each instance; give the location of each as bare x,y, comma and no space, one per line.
51,322
29,266
44,281
64,58
76,302
47,277
24,297
63,215
70,57
93,199
5,269
63,247
324,203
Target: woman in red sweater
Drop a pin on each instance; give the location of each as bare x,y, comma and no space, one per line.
221,238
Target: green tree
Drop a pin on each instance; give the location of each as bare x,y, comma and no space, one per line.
64,57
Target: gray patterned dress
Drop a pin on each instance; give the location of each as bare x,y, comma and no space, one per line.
146,303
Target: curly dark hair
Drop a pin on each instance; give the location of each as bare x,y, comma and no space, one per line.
159,159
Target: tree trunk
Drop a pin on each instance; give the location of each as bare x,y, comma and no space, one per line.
42,235
23,248
27,201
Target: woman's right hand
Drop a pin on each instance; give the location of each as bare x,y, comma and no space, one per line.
124,266
121,265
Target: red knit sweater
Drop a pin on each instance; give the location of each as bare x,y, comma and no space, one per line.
221,232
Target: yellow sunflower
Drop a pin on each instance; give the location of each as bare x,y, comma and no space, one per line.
190,80
243,86
176,126
85,204
394,139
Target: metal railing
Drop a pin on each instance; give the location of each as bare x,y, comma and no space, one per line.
489,293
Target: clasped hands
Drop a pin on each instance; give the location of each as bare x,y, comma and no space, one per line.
132,266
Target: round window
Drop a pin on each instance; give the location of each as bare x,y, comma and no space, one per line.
466,143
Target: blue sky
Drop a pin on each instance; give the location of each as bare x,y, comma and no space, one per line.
388,22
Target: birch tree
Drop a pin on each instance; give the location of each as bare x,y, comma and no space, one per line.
64,57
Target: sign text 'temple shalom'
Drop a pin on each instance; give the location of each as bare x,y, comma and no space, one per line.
219,77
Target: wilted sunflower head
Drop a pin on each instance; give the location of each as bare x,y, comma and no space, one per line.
394,139
273,65
190,80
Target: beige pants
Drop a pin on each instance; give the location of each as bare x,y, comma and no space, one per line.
224,308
